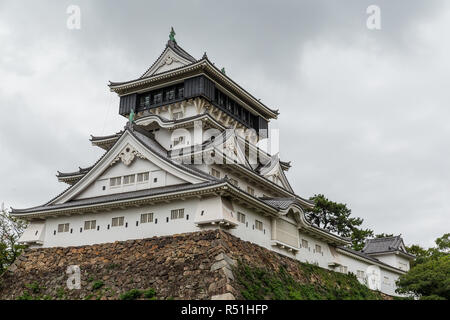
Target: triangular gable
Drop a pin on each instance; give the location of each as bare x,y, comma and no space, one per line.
127,149
275,173
173,57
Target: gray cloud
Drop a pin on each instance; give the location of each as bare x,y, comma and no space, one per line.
363,113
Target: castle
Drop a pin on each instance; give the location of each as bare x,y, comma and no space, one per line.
194,156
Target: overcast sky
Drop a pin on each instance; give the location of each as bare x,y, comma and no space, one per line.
364,113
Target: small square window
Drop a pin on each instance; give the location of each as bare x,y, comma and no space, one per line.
90,225
64,227
177,214
146,217
318,249
130,179
117,222
114,182
241,217
304,244
251,191
258,225
142,177
215,173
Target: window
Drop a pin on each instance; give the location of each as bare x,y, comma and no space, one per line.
318,249
157,98
64,227
142,177
146,217
170,95
343,269
215,173
304,244
115,182
258,225
251,191
241,217
177,115
234,182
180,93
178,140
360,274
177,214
117,222
89,225
129,179
385,280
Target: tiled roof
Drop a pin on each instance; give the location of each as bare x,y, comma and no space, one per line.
279,203
382,244
118,197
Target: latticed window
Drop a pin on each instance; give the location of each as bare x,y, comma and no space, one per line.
251,191
142,177
258,225
177,214
64,227
318,249
129,179
146,217
360,274
241,217
114,182
304,244
89,225
117,222
215,173
177,115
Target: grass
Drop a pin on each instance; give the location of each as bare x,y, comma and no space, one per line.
257,283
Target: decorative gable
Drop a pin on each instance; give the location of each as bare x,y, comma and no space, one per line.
129,156
173,57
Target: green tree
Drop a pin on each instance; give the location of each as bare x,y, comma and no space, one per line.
336,217
10,231
429,276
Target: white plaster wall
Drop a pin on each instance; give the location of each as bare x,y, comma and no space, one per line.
146,230
119,170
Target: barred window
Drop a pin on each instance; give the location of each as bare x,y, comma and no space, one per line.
251,191
177,214
64,227
114,182
89,225
142,177
117,222
304,244
360,274
318,249
215,173
258,225
178,140
146,217
178,115
241,217
129,179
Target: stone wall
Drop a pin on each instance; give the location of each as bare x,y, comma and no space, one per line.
188,266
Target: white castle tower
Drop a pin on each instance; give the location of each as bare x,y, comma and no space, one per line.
189,159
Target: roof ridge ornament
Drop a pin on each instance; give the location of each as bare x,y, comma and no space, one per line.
172,35
223,71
